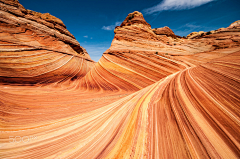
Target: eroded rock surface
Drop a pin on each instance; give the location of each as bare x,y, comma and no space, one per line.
149,96
164,31
37,48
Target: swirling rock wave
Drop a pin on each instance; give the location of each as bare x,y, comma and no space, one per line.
37,48
151,95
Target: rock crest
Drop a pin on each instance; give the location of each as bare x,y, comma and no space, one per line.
13,14
164,31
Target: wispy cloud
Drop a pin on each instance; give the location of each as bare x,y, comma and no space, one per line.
111,27
96,50
191,26
175,5
86,36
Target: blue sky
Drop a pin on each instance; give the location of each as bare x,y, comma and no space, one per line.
92,22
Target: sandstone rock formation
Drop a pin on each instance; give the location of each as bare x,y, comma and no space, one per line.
195,34
235,25
36,48
149,96
164,31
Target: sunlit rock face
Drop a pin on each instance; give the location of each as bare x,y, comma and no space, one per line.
141,56
37,48
150,95
164,31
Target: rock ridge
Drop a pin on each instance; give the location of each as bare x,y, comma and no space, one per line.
13,13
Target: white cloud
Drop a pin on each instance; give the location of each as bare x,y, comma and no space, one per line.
175,5
111,27
85,36
191,25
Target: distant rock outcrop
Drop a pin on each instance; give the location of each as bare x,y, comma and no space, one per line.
235,25
195,34
164,31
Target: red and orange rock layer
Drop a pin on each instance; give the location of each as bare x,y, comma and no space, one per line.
37,48
151,95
